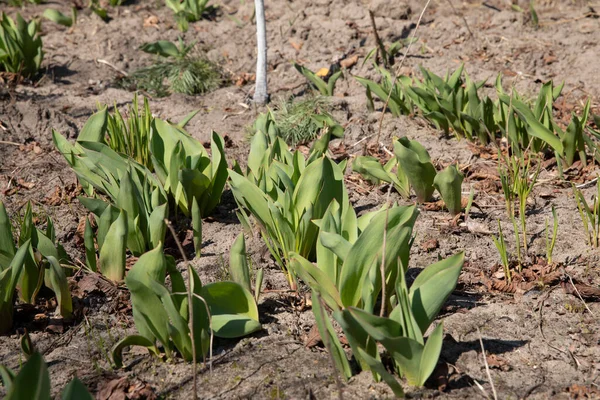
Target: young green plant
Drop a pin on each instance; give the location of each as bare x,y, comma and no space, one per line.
36,260
184,318
33,382
590,214
551,242
285,193
348,279
187,11
20,46
186,71
325,88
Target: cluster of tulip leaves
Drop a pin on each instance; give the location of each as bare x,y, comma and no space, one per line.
20,46
33,382
169,315
415,170
285,192
361,278
355,266
454,103
34,261
187,11
138,199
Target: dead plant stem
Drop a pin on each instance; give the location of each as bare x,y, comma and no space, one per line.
380,48
487,367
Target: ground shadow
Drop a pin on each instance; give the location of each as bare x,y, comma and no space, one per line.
452,350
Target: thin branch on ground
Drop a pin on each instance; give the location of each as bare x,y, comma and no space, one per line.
487,367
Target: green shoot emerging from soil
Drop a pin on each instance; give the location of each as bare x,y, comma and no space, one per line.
131,136
589,214
517,183
551,242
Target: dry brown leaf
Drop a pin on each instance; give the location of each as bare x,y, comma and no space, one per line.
313,338
55,198
115,389
587,292
24,184
151,22
244,78
296,45
93,282
497,362
430,245
349,62
80,231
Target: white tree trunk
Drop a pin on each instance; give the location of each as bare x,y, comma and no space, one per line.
260,93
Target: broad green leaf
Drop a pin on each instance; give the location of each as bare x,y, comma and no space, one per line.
57,17
32,277
95,128
233,310
234,325
163,48
431,289
377,367
76,390
107,218
448,183
395,105
251,197
32,382
128,202
60,287
317,280
327,260
181,124
367,251
90,249
408,355
219,174
536,128
371,168
358,338
416,164
329,337
133,340
379,328
197,227
112,253
238,263
318,83
431,353
7,244
150,317
157,225
7,376
336,243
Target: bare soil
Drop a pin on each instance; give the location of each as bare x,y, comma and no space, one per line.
540,342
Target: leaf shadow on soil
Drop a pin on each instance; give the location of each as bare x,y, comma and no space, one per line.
59,72
452,349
